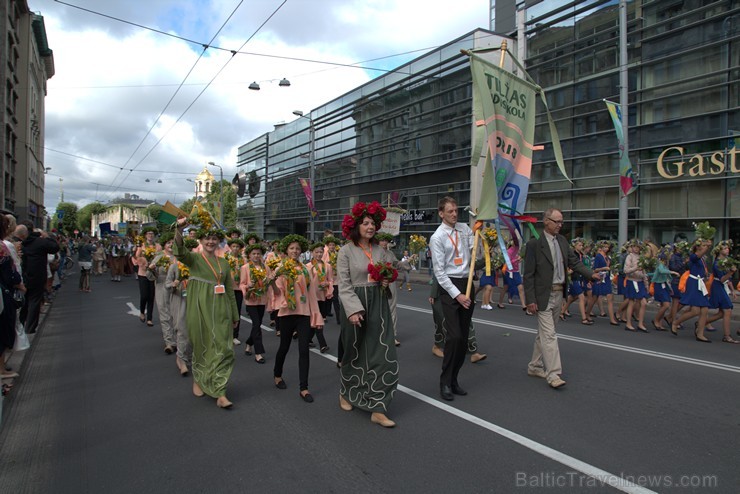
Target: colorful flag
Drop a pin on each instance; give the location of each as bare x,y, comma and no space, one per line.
504,109
169,213
627,179
306,185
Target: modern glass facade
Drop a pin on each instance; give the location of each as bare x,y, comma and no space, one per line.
684,67
405,137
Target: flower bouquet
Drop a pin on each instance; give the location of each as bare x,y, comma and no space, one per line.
683,248
291,269
647,263
273,263
183,273
490,234
333,259
382,271
258,276
726,263
235,263
164,262
497,261
417,243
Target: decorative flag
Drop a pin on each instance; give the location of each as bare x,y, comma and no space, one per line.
627,179
169,213
306,185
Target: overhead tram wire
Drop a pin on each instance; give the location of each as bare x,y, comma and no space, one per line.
207,86
179,87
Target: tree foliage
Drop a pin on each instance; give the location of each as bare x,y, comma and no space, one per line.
213,197
68,222
85,214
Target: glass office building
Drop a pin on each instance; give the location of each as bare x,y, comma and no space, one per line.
406,137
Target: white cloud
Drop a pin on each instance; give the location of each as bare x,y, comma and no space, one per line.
112,80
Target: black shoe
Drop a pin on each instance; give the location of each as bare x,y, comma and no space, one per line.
307,398
446,392
457,390
281,384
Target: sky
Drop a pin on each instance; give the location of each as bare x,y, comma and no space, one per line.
131,100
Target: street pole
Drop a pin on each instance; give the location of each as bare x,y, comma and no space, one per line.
221,191
623,94
311,165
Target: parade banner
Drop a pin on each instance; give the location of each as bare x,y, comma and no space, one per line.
306,185
504,107
392,223
627,180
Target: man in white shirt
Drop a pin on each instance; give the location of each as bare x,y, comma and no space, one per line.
450,245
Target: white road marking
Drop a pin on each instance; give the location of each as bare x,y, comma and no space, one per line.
594,472
612,346
132,309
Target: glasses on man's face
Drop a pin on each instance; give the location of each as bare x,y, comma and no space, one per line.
560,222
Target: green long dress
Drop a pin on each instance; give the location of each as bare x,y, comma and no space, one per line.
369,373
210,319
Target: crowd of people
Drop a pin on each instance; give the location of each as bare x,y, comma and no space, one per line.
200,277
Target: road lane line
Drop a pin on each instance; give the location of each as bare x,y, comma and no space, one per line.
612,346
594,472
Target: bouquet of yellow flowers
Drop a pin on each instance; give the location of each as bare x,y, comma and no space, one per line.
417,243
320,269
235,263
139,240
490,234
273,263
164,262
292,269
183,273
333,259
199,216
257,275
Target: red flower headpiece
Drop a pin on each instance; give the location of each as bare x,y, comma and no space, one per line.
374,209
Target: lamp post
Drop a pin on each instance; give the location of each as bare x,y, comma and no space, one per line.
311,164
221,191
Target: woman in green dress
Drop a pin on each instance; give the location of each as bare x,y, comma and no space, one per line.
211,314
369,369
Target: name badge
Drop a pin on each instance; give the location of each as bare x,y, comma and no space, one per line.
303,299
219,289
458,261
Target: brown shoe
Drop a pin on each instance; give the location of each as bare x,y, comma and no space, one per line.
382,420
557,383
344,404
477,357
437,351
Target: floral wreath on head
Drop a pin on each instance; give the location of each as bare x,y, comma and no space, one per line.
384,237
213,232
165,237
316,245
289,239
238,241
331,240
249,248
576,240
374,210
249,236
231,231
633,242
721,245
148,229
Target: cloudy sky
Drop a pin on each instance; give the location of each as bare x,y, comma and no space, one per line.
128,104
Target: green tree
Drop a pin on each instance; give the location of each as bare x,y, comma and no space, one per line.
68,222
213,197
187,205
85,214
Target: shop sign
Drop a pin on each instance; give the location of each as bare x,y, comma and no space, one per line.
414,217
696,165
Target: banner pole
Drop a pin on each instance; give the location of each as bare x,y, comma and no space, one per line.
503,53
472,258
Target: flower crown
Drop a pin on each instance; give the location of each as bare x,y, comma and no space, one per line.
252,247
250,236
212,232
374,210
720,246
289,239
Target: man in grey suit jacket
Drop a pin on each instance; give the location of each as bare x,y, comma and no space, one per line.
545,263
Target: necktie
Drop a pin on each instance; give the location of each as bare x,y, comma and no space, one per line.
558,261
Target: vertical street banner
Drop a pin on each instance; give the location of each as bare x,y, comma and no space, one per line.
306,185
627,180
504,111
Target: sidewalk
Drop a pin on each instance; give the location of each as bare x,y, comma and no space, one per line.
17,359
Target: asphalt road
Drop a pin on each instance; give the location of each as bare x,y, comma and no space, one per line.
99,408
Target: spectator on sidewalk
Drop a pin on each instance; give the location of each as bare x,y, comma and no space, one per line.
36,247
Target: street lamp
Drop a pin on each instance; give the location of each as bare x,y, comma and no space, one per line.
311,163
221,191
